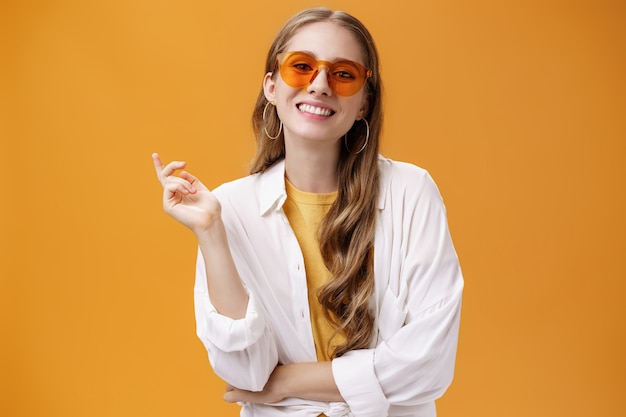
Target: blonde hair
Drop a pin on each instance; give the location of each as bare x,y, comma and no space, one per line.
347,232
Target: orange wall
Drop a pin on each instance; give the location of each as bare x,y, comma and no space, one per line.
516,107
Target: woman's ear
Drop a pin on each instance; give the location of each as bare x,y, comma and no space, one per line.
269,87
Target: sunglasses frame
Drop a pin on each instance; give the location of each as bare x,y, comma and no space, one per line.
336,85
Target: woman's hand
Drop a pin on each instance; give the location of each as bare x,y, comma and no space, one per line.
270,393
185,198
234,395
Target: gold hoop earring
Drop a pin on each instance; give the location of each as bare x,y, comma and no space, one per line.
367,138
280,129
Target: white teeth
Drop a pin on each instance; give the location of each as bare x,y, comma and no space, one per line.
314,110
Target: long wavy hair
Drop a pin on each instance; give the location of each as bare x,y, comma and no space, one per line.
347,232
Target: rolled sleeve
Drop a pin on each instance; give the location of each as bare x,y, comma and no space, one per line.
355,377
419,291
242,351
416,365
225,333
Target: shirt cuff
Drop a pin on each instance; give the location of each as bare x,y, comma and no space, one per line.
355,377
225,333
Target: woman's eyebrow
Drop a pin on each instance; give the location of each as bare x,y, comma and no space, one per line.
336,59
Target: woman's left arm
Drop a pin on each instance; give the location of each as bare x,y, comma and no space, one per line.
310,380
413,363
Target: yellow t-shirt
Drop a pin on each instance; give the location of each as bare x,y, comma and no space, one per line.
305,212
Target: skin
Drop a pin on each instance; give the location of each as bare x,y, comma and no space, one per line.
312,144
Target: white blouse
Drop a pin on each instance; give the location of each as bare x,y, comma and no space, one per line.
417,300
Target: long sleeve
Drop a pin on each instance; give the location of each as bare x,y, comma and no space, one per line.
419,312
275,328
241,351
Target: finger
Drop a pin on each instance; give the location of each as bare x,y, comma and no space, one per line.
174,184
195,182
158,166
235,395
164,172
170,168
156,160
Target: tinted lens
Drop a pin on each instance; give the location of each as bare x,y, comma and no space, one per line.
298,69
346,77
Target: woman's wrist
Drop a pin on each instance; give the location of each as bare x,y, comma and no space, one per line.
278,385
287,381
211,232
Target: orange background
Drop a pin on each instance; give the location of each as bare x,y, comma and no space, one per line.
516,107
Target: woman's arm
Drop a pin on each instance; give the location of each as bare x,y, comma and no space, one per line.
227,294
418,320
311,380
191,203
229,323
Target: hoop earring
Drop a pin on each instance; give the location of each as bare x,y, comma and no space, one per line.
280,129
367,138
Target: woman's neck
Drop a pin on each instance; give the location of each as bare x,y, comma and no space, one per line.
312,170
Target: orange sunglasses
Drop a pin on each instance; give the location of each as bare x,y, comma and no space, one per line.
299,69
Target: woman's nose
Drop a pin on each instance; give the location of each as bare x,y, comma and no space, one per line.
319,82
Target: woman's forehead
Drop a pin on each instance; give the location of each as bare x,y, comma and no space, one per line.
327,41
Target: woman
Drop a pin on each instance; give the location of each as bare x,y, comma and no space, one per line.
326,280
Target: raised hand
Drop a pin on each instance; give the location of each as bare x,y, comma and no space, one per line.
185,198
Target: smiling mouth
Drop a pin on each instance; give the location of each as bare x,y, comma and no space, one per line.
318,111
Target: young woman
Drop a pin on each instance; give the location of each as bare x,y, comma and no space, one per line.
326,280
